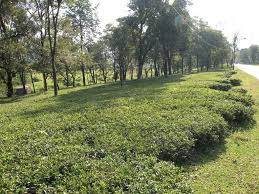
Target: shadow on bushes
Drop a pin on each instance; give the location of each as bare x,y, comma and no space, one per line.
104,94
204,154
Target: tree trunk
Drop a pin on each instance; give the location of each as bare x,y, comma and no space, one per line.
83,74
45,84
156,68
74,81
53,40
161,71
208,63
140,69
182,64
165,68
92,73
234,58
124,73
169,63
151,71
32,82
9,83
121,75
197,62
67,78
132,73
114,71
54,74
190,64
104,76
146,73
23,81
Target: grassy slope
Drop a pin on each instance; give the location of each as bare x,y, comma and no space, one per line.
230,168
236,169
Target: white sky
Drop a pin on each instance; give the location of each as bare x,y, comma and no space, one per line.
230,16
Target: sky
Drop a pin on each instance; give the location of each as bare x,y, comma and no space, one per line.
230,16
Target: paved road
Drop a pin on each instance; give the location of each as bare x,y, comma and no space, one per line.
250,69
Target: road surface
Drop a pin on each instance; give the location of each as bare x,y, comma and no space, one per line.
250,69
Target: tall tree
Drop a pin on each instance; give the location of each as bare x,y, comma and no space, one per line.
234,47
41,49
85,23
121,45
142,25
254,53
53,13
14,24
102,57
167,35
68,57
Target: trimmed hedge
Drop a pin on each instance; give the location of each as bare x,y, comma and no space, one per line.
221,86
235,113
229,74
115,140
233,82
240,90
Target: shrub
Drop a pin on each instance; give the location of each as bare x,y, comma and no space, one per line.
36,79
78,84
246,100
235,113
232,82
109,139
239,90
235,82
220,87
68,81
225,81
206,126
141,174
229,74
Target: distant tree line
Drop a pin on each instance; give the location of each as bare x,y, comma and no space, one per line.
58,39
249,55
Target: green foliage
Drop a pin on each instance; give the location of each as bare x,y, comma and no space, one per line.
229,74
112,139
239,90
221,86
234,112
230,167
249,55
36,79
235,82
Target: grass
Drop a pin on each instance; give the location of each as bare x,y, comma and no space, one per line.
107,138
236,170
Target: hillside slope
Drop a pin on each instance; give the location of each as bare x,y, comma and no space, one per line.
110,139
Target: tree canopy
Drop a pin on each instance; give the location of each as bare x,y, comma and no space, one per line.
59,38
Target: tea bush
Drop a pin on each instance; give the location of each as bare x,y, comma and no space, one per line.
108,139
235,82
234,112
221,86
229,74
240,90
